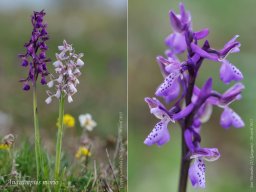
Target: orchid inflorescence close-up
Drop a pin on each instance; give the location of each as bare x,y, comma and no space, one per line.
67,72
192,106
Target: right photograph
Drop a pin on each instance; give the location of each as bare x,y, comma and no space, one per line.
191,70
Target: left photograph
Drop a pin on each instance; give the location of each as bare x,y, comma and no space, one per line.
63,112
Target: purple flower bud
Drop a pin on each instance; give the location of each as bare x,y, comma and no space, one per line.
180,22
25,63
175,22
26,87
176,42
43,81
201,34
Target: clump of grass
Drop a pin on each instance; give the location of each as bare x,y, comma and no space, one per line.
84,175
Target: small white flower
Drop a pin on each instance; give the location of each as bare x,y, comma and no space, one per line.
57,94
80,63
87,122
57,63
70,100
60,78
61,47
72,88
77,72
50,84
48,100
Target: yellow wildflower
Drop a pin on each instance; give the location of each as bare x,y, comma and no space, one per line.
82,151
4,147
68,120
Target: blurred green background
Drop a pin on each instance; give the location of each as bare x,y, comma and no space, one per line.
154,169
96,28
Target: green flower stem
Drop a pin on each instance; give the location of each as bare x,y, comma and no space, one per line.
59,138
37,138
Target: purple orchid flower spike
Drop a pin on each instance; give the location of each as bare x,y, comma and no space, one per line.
193,106
67,69
35,56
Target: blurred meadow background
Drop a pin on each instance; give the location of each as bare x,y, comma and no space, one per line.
152,168
96,28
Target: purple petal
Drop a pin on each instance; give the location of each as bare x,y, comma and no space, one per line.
171,64
24,63
153,103
166,86
184,112
208,154
175,22
197,173
189,139
205,112
162,66
159,135
157,108
206,89
185,15
43,81
230,118
230,47
232,94
229,72
173,92
201,34
176,42
26,87
203,53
